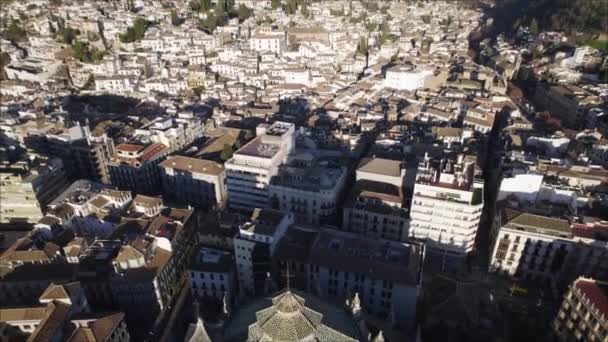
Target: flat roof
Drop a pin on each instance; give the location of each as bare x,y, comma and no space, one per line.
257,148
540,225
211,260
379,259
381,166
193,165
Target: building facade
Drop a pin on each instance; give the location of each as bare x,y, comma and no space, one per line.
254,246
446,205
192,181
249,171
583,315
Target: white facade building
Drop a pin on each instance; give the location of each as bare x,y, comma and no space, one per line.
254,245
250,169
406,78
273,42
211,274
548,250
447,205
310,190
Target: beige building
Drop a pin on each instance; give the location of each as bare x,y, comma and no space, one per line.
193,181
18,203
583,315
375,207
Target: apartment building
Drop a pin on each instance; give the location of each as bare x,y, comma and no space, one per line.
176,133
272,42
62,314
309,187
375,208
83,155
583,315
446,205
249,171
550,251
212,275
18,198
335,264
532,247
193,181
254,245
135,167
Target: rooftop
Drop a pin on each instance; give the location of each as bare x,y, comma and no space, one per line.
211,260
264,221
260,149
379,259
291,316
596,292
380,166
193,165
540,225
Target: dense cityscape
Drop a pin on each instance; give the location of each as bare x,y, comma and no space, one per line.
302,170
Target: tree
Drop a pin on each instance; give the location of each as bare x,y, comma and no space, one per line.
304,11
89,84
205,5
362,47
243,13
212,21
135,32
195,6
385,33
15,32
198,90
68,34
227,152
291,7
371,27
534,26
274,4
83,52
5,59
175,21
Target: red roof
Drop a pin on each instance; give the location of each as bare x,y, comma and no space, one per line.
129,147
595,231
152,151
596,293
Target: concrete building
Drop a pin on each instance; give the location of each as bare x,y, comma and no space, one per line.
532,247
254,245
446,205
273,42
583,315
18,201
547,250
84,156
375,207
404,77
62,314
249,171
135,167
212,275
309,188
192,181
333,264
